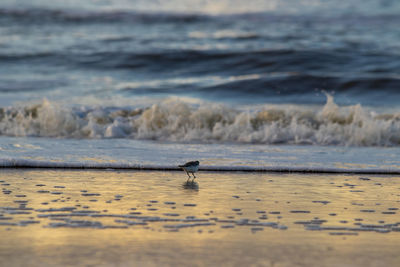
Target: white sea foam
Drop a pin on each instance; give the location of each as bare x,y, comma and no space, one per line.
177,120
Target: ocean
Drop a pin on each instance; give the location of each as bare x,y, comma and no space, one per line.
255,85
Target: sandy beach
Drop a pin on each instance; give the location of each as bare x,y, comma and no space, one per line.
143,218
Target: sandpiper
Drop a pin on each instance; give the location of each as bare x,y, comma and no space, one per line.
190,167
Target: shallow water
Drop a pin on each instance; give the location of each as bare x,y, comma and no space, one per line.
153,155
67,217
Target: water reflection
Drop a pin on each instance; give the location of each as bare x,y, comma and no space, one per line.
190,185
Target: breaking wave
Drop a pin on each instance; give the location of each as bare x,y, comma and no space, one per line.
176,121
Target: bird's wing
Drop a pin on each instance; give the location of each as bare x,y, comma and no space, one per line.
190,163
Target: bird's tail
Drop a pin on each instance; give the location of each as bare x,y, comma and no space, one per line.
180,166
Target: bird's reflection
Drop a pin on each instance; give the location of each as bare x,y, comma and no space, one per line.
190,185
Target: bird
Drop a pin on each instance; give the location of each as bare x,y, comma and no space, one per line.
190,167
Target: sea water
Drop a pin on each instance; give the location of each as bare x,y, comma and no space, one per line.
261,85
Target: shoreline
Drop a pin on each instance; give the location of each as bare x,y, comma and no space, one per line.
245,169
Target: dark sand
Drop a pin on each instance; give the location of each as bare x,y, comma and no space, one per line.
133,218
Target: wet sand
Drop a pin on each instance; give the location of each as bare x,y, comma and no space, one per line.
143,218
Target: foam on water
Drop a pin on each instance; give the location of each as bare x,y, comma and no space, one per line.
29,152
177,121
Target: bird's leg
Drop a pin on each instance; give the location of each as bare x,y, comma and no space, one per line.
188,177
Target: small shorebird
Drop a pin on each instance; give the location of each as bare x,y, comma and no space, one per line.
190,167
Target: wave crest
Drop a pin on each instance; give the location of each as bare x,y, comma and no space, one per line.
175,120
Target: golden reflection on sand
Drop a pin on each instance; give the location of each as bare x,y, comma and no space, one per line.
133,218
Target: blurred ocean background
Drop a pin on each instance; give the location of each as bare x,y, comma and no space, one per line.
310,84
